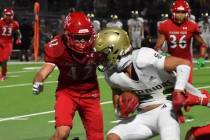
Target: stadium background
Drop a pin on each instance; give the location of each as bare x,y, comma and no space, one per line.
53,11
24,116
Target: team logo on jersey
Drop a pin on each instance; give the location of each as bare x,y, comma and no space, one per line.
157,87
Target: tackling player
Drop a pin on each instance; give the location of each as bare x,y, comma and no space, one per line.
178,32
8,29
77,88
152,77
201,132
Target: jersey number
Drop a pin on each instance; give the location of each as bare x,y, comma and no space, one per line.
73,72
7,31
182,43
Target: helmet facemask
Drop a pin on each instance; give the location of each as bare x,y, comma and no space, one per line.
80,43
180,16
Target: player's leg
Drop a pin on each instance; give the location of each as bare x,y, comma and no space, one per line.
138,42
65,108
92,117
140,127
190,80
198,133
7,50
1,59
133,43
167,124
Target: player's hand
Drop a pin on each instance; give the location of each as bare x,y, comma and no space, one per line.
200,63
37,88
18,42
178,99
127,104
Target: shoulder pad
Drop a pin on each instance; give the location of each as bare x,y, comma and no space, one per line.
55,47
16,24
144,57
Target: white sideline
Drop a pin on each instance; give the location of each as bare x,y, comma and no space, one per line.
37,114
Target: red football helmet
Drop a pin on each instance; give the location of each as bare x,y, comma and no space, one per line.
180,11
8,14
79,31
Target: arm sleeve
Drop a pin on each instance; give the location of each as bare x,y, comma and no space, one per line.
161,28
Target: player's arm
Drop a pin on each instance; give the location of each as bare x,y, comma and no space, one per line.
203,46
142,30
182,68
18,36
159,43
40,76
203,49
115,96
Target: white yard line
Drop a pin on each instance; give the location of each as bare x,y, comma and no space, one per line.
37,114
25,84
29,84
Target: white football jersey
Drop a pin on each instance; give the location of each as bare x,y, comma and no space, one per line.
204,27
117,24
135,24
154,85
96,25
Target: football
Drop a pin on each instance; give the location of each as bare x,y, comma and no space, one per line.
127,103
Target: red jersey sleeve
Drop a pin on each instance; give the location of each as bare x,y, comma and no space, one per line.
16,25
53,50
161,28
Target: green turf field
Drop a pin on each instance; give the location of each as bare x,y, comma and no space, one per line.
24,116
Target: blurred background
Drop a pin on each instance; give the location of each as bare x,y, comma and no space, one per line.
53,12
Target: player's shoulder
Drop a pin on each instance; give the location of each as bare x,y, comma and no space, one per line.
96,21
192,23
140,19
55,47
165,22
144,56
15,23
2,22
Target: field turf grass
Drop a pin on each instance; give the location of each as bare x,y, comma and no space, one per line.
24,116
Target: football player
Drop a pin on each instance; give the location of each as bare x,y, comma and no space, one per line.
77,88
96,23
136,29
199,132
204,25
178,32
114,22
152,77
9,29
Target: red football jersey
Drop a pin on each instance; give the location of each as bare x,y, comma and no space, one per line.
78,74
179,37
7,28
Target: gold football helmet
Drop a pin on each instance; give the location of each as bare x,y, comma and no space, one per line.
111,44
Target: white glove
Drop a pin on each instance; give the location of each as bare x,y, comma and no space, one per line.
37,88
